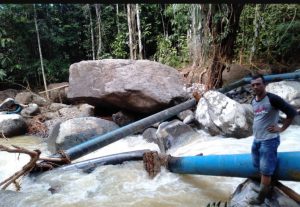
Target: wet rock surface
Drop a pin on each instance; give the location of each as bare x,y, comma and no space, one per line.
243,193
12,125
75,131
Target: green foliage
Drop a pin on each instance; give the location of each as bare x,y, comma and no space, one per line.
65,36
119,46
173,50
277,34
170,55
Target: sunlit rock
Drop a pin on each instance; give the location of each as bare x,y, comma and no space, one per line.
288,90
136,85
218,114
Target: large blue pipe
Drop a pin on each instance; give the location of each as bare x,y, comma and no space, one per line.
268,78
235,165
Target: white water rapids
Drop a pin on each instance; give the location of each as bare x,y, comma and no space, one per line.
128,184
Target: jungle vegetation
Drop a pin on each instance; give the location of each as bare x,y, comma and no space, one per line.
38,42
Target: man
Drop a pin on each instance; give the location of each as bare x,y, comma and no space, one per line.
266,107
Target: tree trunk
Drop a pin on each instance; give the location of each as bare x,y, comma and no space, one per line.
197,35
129,31
98,15
139,32
162,20
92,31
223,38
118,24
40,51
132,31
214,30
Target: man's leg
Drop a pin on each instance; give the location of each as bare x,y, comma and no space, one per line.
268,161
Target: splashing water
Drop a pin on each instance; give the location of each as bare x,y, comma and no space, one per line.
128,184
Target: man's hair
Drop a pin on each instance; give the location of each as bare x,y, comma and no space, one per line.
254,77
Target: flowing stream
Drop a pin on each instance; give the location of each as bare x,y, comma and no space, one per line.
128,184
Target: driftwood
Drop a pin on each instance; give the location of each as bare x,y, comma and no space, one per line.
47,163
52,89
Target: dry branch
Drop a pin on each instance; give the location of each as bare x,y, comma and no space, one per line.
48,164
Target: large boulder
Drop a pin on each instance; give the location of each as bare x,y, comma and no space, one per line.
135,85
12,125
288,90
58,92
234,73
218,114
75,131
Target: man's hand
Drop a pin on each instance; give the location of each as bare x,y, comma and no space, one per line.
274,129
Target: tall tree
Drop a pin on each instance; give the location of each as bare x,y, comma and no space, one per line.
139,31
40,51
131,12
98,15
117,18
218,26
92,31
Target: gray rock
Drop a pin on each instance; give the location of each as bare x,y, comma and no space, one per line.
233,73
123,118
31,110
82,110
150,135
57,106
135,85
63,114
12,125
58,95
28,97
8,93
75,131
189,119
173,133
182,115
244,192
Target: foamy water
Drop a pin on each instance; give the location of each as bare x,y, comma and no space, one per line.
128,184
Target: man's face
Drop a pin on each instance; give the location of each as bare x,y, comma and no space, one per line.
258,86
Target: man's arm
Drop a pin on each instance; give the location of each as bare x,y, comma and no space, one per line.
280,104
286,123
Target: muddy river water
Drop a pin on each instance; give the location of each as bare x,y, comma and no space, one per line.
128,184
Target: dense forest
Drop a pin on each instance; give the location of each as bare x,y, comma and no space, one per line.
39,42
